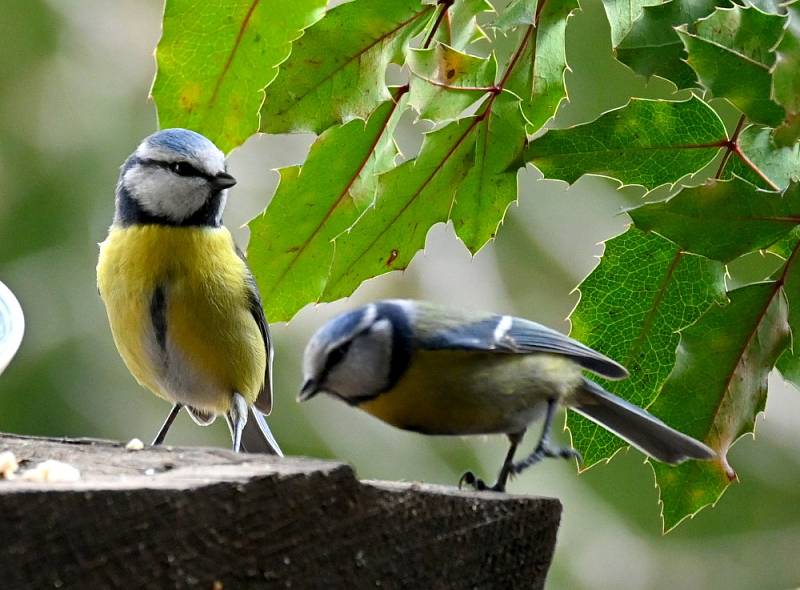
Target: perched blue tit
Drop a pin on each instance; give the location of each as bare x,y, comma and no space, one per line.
183,307
434,370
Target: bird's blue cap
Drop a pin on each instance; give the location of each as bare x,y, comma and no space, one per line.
180,141
342,326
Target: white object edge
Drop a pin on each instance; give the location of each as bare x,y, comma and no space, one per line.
12,326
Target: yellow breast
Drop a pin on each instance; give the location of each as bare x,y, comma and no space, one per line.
213,346
464,392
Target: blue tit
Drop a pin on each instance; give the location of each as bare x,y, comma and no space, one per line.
184,309
434,370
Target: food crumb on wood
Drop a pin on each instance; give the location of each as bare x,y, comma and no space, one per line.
52,471
8,465
134,445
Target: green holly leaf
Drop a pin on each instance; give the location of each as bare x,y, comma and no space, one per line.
786,79
445,81
490,185
769,6
717,387
785,246
411,198
722,219
646,142
318,201
452,175
622,14
789,249
735,45
337,68
789,362
214,60
461,28
517,13
631,308
537,75
778,165
653,48
788,133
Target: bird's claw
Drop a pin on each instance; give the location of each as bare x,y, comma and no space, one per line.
471,481
478,484
570,453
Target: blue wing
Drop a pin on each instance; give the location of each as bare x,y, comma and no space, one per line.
510,335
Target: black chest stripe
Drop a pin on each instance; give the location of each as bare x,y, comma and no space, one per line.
158,315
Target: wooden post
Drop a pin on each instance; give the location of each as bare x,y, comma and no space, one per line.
211,519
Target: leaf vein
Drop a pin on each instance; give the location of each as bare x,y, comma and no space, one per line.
358,55
232,54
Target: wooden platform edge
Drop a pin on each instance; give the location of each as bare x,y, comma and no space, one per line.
173,517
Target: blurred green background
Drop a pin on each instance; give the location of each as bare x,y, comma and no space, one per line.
74,80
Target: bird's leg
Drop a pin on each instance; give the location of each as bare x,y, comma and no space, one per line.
507,469
544,448
237,418
508,464
162,434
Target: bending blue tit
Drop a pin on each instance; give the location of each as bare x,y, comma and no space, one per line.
439,371
184,309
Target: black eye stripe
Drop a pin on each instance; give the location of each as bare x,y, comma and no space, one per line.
336,355
179,168
184,169
333,358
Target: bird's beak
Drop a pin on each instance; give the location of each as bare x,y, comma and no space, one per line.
309,390
222,181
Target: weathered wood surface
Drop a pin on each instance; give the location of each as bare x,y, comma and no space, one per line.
207,518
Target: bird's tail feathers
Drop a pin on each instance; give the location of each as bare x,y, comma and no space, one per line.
257,437
638,427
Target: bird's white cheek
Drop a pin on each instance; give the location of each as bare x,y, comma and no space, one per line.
164,194
356,380
365,372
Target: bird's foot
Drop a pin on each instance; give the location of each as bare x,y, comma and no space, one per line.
545,450
470,480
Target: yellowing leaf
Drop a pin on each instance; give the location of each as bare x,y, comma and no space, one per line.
215,58
444,81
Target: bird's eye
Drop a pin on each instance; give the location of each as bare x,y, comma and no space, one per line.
183,169
336,355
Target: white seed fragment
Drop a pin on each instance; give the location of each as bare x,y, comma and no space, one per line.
52,471
134,445
8,465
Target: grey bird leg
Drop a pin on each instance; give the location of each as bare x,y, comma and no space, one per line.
505,471
544,448
162,434
237,418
